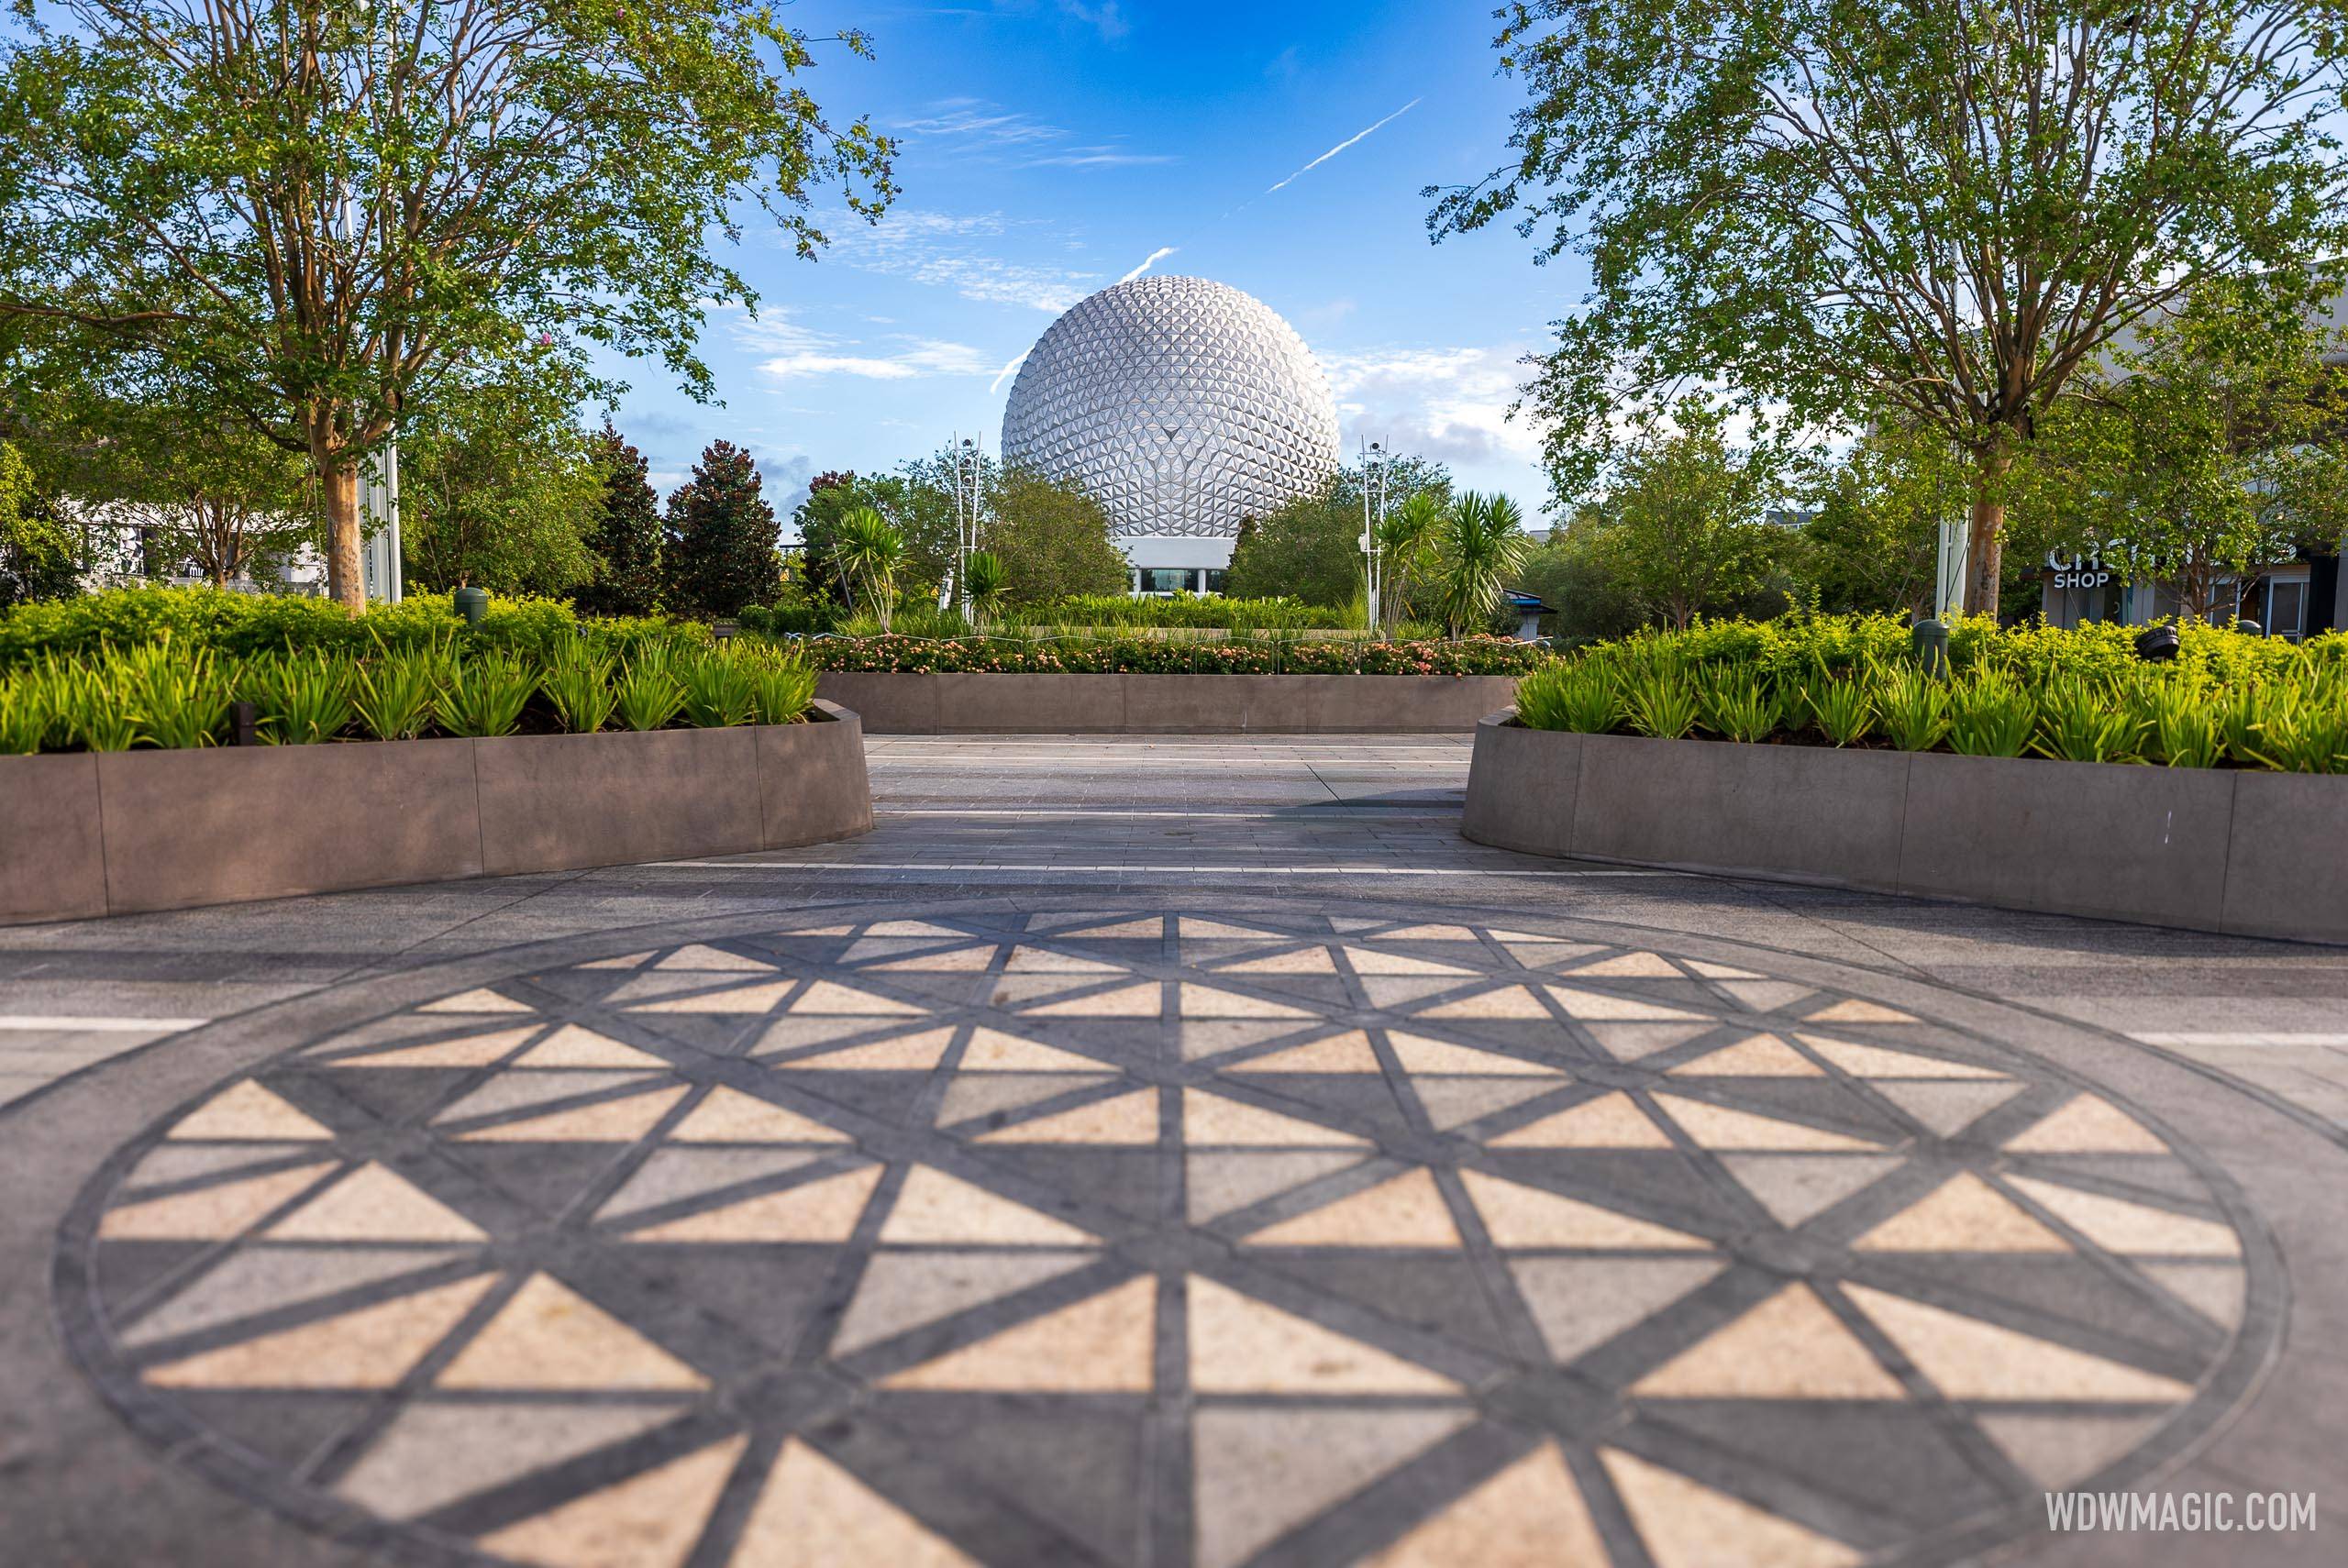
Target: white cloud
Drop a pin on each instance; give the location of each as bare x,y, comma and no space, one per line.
975,129
1345,144
1105,18
1448,403
975,123
1152,259
1105,157
1008,372
951,250
802,351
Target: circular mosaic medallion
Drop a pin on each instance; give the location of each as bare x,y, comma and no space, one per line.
1111,1237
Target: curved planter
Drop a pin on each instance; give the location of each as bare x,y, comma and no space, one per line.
124,832
2252,854
894,704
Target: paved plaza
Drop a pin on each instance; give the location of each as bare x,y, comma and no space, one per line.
1166,1153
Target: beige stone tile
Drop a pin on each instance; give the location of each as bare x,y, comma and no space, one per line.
1613,1121
1598,1005
830,998
1369,960
1544,954
1630,1042
1402,990
247,1110
1508,1002
1877,1062
1968,1359
2087,1125
646,1521
952,960
207,1214
1712,971
1404,1212
1103,1345
1149,928
2214,1290
1126,1001
550,1336
818,1212
470,1050
372,1204
902,1290
1241,1345
1633,966
1428,934
813,1514
1520,1216
1530,1515
1303,961
483,1001
1687,1525
914,928
1261,1472
2118,1226
1043,961
738,999
1788,1347
575,1045
797,1033
1347,1052
624,961
1755,1056
433,1454
1126,1118
729,1116
698,956
372,1348
1210,1001
1420,1054
1718,1127
610,1121
1853,1009
1213,1119
991,1051
2057,1450
1963,1214
935,1209
1765,995
1194,929
917,1053
1212,1037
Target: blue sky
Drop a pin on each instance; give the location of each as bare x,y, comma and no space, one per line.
1052,147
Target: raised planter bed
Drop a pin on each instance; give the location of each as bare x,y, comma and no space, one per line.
122,831
2252,854
895,704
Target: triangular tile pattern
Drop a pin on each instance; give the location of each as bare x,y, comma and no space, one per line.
1239,1344
548,1336
1685,1524
1103,1344
372,1347
1260,1472
813,1514
651,1520
432,1454
1788,1347
817,1212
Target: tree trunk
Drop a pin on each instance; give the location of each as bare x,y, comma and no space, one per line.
345,579
1985,551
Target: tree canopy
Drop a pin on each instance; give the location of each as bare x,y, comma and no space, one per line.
313,213
718,550
1943,208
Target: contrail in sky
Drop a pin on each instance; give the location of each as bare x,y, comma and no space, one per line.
1345,144
1155,257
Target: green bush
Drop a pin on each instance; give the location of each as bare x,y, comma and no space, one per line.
2080,694
1139,653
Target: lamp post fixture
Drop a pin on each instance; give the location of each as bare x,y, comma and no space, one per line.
967,480
1374,460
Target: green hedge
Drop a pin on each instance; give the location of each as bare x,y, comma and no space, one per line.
1260,655
2082,695
240,626
1096,610
172,693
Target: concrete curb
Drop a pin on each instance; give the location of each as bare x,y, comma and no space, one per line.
120,832
897,705
2247,854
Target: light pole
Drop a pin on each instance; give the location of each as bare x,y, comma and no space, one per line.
968,481
1373,513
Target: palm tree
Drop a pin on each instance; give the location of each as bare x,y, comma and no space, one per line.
867,546
1406,539
984,581
1483,545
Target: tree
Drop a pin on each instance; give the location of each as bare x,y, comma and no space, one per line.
1943,207
1570,575
498,488
1480,543
316,211
1873,539
718,551
36,549
1054,541
1408,541
626,536
871,551
1310,548
831,496
2213,446
1681,524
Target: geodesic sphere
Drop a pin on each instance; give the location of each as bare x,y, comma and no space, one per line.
1181,405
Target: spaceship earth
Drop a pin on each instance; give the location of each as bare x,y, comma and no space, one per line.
1183,404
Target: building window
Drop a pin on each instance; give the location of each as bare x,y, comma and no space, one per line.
1165,579
1214,580
2286,606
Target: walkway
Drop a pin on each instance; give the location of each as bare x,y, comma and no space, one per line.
1167,1151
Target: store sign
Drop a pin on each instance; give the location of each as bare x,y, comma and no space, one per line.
2085,569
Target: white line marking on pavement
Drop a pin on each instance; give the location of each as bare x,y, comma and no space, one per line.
1000,867
67,1021
2236,1038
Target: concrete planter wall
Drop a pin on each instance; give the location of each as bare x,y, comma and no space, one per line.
123,832
2254,853
895,704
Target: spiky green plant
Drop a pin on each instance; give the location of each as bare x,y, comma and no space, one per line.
1584,698
1482,543
649,693
782,686
394,692
868,550
718,689
93,705
1743,708
300,699
1662,704
178,695
2183,726
1843,707
486,693
1990,714
577,684
2079,721
1915,708
985,581
28,711
2311,737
